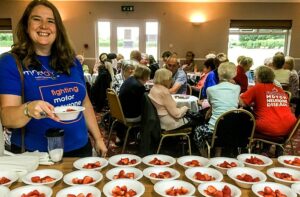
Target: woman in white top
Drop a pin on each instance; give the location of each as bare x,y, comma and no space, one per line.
281,75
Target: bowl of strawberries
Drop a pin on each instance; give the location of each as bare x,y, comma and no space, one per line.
155,174
83,177
245,177
214,189
123,187
31,190
122,160
79,191
256,161
47,177
267,189
90,163
159,160
174,188
286,176
8,177
191,161
203,174
224,163
290,161
124,173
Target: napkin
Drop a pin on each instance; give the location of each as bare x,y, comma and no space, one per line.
43,157
21,164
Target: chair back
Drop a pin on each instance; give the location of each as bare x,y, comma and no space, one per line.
189,89
115,106
289,94
293,131
234,128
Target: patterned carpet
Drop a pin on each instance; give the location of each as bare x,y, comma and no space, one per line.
176,149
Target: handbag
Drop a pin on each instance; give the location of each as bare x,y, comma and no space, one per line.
20,69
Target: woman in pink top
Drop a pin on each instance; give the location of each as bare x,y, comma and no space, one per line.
171,117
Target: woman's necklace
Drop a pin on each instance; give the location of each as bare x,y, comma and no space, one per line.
53,75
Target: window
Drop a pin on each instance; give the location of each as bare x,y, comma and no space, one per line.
123,36
258,39
6,40
104,37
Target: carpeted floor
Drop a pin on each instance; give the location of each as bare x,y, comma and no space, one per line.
175,149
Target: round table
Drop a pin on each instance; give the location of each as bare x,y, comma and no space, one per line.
186,100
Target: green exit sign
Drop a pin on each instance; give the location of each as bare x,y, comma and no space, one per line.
127,8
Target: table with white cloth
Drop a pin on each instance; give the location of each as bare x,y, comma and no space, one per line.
193,76
186,100
88,78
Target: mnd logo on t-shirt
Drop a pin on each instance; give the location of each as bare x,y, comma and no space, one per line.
276,99
41,75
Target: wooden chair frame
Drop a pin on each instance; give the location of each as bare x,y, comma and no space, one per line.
116,112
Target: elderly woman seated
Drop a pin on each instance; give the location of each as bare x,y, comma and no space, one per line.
270,105
127,70
171,117
222,97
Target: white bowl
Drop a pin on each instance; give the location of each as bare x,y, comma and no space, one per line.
267,161
204,162
294,173
4,191
190,173
165,158
162,186
77,189
138,187
79,164
11,175
80,174
288,157
116,158
56,174
63,114
219,160
296,188
234,172
235,191
29,188
138,174
175,174
274,186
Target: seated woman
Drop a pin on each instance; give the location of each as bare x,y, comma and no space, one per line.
131,93
270,105
127,70
209,65
171,117
222,97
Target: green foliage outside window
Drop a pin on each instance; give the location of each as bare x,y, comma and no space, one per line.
259,41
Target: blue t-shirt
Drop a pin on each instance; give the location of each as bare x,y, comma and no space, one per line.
211,80
57,89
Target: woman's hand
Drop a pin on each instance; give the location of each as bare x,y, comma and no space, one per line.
41,109
100,147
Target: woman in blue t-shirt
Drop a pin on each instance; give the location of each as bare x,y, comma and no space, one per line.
52,77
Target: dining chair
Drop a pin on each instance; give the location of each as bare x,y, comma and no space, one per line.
117,114
289,94
233,129
280,141
152,134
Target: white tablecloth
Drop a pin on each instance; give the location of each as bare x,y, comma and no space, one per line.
186,100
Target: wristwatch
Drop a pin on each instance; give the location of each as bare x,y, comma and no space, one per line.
26,112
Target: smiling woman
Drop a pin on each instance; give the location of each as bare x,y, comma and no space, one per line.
43,49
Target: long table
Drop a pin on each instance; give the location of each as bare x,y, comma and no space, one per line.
66,166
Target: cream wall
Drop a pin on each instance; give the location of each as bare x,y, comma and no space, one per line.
80,20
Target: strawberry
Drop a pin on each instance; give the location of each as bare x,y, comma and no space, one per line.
36,179
71,195
87,180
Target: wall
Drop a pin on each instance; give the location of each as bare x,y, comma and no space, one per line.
80,20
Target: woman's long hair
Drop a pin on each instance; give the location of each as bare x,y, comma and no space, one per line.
62,53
